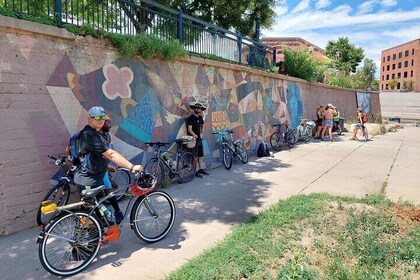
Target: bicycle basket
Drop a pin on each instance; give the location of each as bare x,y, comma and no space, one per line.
189,141
143,185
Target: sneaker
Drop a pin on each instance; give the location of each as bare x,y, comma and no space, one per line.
322,139
198,175
202,171
119,217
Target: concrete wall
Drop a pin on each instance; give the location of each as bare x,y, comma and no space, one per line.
49,78
405,105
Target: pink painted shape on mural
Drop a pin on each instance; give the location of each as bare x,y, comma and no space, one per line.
117,81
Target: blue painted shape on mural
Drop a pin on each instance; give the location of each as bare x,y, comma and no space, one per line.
141,121
269,105
363,101
294,104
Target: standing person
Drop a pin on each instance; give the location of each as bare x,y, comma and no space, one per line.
96,154
328,122
362,118
195,128
319,121
336,119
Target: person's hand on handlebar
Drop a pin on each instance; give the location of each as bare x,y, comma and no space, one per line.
136,168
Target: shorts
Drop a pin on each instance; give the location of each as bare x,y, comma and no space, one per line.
320,122
107,182
359,125
198,150
328,122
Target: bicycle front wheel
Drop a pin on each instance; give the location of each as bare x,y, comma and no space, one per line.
362,134
186,167
277,141
154,167
59,194
153,216
70,243
241,152
120,178
227,157
293,137
307,134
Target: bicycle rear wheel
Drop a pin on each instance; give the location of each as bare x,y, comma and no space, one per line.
120,178
70,243
156,169
227,156
307,134
186,167
241,152
153,216
277,141
362,134
292,137
59,194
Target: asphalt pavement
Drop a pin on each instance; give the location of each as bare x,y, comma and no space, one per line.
208,208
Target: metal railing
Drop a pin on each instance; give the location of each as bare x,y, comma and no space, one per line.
149,17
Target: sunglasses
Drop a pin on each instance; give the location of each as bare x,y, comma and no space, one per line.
97,118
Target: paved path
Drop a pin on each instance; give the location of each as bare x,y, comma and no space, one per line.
209,208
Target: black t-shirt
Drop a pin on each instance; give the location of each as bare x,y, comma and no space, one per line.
196,123
94,165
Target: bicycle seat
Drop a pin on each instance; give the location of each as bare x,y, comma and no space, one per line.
160,144
89,193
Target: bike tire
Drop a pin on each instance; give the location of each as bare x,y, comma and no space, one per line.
276,145
153,216
68,231
59,194
120,178
186,167
362,134
156,169
227,157
293,137
241,152
307,135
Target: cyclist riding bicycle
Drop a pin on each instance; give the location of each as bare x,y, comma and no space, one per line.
362,119
96,153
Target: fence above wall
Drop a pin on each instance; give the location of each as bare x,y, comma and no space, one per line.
149,17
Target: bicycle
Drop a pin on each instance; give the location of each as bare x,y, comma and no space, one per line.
183,164
281,137
304,131
60,192
231,149
71,241
362,133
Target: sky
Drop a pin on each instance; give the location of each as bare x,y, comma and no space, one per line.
374,25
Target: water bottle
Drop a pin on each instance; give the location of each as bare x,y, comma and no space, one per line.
107,214
174,164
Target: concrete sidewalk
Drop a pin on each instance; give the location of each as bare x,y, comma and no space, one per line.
207,209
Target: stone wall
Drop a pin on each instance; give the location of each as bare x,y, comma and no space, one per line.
49,78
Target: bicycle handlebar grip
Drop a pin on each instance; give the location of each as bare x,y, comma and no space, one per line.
52,157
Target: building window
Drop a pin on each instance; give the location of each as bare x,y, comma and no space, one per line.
383,68
386,86
393,66
383,76
393,76
405,74
388,58
412,62
394,56
398,85
399,76
383,60
387,77
382,87
387,68
407,53
406,63
411,73
400,55
412,52
399,65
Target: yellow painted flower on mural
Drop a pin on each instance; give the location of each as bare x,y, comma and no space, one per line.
117,81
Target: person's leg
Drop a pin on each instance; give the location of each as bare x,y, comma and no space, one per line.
113,200
318,131
200,155
354,133
330,133
324,129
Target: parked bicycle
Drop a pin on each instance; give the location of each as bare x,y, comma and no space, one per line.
60,192
304,131
183,164
71,241
362,133
281,137
231,150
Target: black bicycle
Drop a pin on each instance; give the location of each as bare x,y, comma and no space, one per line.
60,192
71,241
231,150
281,137
182,164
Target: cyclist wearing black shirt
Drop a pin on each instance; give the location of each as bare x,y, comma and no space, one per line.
195,124
97,154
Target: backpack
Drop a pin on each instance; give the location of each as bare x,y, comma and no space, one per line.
73,148
365,118
263,150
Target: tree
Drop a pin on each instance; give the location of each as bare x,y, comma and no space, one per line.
346,57
301,64
365,76
393,83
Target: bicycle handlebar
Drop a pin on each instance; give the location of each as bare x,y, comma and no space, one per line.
229,131
160,144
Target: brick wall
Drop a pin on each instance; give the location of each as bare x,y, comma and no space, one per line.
49,78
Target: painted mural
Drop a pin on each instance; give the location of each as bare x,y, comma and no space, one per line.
363,101
149,101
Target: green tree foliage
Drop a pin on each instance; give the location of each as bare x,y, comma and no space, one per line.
301,64
393,83
346,56
365,76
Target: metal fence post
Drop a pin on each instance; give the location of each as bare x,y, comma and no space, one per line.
57,12
239,48
179,31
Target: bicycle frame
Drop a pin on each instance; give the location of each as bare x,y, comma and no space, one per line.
162,161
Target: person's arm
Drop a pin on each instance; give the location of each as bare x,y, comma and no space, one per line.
202,128
121,161
190,131
360,117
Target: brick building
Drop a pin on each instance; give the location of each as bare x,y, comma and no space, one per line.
400,67
294,43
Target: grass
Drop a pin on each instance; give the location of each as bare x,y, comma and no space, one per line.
318,237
